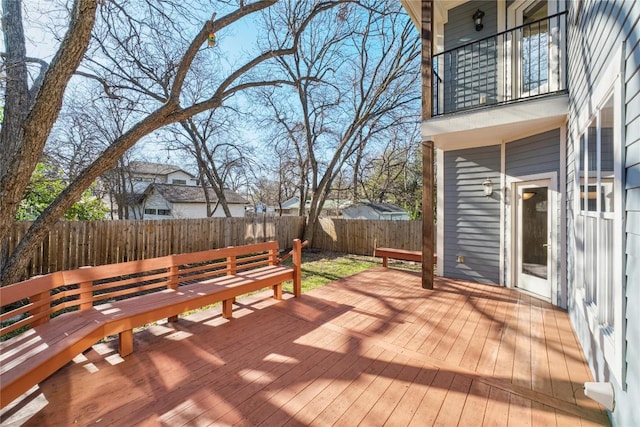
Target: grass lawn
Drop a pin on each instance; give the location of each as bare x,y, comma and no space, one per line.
320,268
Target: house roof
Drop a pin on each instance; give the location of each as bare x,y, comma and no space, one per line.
294,203
149,168
381,208
191,194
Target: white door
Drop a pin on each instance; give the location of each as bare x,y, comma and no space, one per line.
534,237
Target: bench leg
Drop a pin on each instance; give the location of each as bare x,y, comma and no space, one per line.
125,343
384,261
227,308
172,318
277,291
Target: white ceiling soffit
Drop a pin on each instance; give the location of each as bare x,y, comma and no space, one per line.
493,125
414,9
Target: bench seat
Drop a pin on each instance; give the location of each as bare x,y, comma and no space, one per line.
37,353
49,344
402,254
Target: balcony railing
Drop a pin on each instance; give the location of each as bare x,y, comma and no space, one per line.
523,62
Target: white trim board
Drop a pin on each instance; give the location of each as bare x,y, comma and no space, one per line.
440,212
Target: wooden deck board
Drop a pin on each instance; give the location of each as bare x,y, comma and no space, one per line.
475,405
433,399
478,340
373,349
354,389
454,402
406,409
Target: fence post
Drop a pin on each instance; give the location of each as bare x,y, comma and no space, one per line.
297,267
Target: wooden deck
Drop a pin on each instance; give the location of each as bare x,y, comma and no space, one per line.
373,349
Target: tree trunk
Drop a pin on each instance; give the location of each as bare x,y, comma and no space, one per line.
29,116
356,173
17,88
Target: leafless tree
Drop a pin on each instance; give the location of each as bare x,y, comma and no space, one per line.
88,123
354,75
277,176
139,47
392,173
213,140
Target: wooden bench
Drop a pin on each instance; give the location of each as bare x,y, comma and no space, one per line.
401,254
48,320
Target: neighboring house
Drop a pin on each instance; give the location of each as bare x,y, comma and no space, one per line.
129,183
290,207
537,105
261,208
144,173
165,201
331,208
369,210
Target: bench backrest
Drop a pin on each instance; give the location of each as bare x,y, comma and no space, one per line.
33,301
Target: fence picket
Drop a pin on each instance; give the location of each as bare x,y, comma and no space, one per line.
74,244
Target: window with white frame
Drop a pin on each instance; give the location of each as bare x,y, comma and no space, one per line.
599,233
597,209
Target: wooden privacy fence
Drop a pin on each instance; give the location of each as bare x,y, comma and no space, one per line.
73,244
362,236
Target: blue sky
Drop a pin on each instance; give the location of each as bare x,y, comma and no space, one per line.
45,22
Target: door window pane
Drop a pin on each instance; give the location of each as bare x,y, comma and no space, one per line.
581,171
534,232
606,156
535,46
592,165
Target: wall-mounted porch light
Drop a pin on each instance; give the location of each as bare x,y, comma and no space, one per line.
477,19
488,187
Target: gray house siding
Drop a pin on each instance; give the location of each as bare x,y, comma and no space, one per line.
596,31
459,29
535,154
469,75
632,164
471,220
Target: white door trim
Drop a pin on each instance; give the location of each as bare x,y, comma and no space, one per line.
554,239
532,282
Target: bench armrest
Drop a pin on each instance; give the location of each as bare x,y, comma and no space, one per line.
290,254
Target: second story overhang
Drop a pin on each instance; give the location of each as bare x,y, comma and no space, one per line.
502,123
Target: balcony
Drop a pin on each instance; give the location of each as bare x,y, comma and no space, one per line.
525,62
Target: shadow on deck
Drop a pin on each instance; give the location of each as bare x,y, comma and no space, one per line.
372,349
